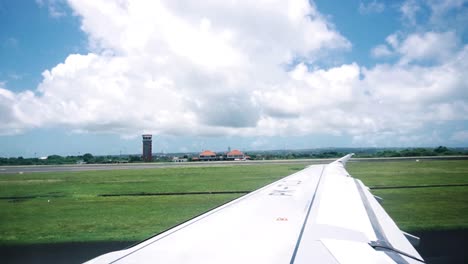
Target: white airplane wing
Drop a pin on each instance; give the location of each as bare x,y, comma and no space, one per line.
318,215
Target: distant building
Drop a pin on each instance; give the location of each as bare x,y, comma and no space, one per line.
235,155
147,148
207,155
177,159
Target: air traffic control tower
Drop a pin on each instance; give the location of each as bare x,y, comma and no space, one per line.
147,148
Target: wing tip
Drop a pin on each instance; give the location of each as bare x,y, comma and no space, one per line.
344,159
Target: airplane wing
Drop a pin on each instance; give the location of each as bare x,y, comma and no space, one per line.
317,215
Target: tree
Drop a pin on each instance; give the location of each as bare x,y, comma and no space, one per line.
88,158
441,150
135,159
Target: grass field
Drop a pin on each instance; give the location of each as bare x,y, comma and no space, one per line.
437,208
63,207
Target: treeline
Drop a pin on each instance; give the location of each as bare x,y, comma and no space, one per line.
88,158
295,155
417,152
409,152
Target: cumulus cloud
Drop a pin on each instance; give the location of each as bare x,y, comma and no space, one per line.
371,7
426,47
176,66
237,68
441,7
17,111
437,13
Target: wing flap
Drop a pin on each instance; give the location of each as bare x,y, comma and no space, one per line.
348,252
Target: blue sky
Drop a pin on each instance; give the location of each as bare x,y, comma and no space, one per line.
79,77
32,41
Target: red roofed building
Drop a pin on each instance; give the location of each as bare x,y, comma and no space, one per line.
207,155
235,155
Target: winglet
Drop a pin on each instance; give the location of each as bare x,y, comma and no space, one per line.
344,159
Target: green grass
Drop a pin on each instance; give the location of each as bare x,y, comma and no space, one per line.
79,214
428,208
401,173
181,179
436,208
99,219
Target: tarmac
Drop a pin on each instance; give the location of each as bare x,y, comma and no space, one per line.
155,165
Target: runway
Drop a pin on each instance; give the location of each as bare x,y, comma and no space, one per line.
137,166
155,165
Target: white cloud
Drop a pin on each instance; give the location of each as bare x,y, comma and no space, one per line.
409,10
381,51
438,14
441,82
176,67
371,7
441,7
218,68
17,111
432,47
393,40
428,46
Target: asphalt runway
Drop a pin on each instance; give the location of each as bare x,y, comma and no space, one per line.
155,165
137,166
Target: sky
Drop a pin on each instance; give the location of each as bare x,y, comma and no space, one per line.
92,76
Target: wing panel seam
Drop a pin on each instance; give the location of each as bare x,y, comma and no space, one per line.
296,248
